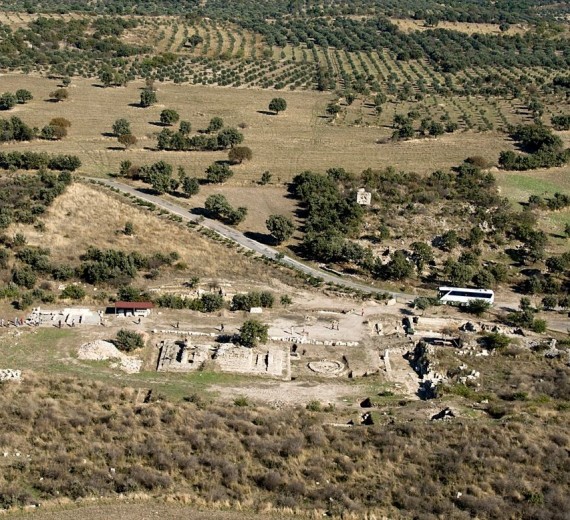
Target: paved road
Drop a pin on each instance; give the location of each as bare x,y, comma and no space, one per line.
242,240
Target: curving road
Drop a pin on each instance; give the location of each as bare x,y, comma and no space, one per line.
242,240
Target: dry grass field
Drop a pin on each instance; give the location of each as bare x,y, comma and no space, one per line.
409,25
296,140
86,216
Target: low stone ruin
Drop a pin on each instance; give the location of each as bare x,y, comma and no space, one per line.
182,356
421,359
8,374
326,368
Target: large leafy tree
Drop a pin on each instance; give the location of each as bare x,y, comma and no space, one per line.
280,227
252,333
218,173
277,105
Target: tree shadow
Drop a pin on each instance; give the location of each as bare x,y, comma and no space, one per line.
108,134
159,124
202,212
262,238
51,100
179,195
516,255
223,162
266,112
116,148
97,85
136,105
148,191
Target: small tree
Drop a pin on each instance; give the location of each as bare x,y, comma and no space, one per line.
549,302
53,132
121,127
169,117
277,105
252,333
190,186
235,216
216,124
7,101
127,140
217,205
106,76
238,154
229,137
60,94
218,173
128,340
449,240
185,127
422,253
73,292
148,98
280,227
129,229
496,341
265,178
478,307
66,81
23,96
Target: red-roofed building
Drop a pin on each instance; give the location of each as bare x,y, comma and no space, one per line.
136,308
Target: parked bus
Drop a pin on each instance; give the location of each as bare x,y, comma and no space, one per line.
462,295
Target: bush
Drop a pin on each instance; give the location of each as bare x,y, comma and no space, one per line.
238,154
478,307
496,341
7,101
538,326
23,96
24,277
73,292
127,340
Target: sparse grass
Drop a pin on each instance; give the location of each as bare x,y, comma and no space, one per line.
87,216
296,140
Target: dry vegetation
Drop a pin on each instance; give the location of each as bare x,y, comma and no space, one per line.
409,25
296,140
515,466
85,216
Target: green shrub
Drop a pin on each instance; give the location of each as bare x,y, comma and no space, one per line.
73,292
128,340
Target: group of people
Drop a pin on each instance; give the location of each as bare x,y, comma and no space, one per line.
17,322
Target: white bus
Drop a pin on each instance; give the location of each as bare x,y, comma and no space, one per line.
462,296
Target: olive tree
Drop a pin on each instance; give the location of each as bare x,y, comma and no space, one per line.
121,127
169,117
280,227
252,333
277,105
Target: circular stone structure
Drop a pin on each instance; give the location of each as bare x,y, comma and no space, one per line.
326,367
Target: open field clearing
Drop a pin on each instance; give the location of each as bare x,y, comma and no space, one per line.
464,27
296,140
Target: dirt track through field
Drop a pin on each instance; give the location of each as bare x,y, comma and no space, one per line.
242,240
